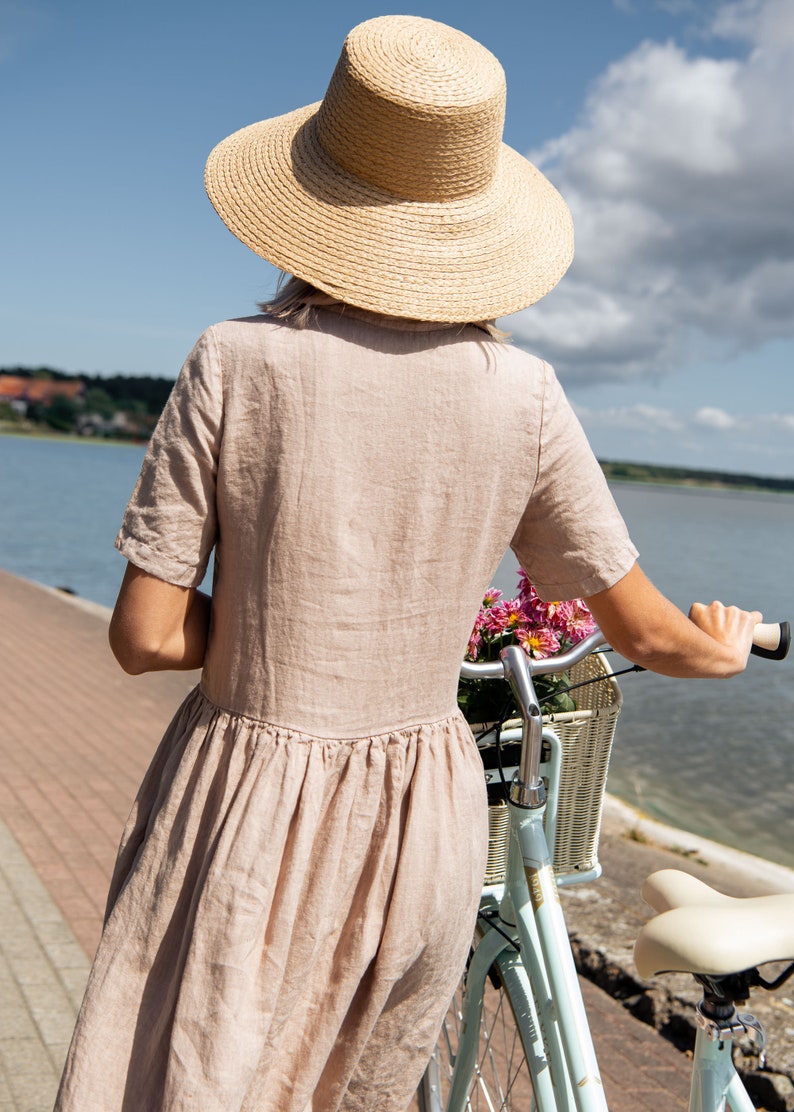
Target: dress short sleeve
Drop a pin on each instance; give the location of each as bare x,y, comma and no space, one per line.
169,527
571,540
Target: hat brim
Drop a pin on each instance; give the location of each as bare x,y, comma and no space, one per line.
473,258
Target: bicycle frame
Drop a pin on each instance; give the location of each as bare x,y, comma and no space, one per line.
553,1022
714,1078
554,1025
527,940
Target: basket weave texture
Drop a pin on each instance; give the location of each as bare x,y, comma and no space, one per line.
585,736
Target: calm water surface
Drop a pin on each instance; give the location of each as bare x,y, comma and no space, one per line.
713,757
61,503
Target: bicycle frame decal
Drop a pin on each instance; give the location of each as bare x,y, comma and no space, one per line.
535,889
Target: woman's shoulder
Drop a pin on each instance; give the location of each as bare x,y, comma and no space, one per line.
243,330
239,340
520,365
264,340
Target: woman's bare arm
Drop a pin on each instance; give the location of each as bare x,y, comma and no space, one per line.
645,627
157,626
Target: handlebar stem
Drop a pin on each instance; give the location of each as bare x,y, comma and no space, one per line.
527,789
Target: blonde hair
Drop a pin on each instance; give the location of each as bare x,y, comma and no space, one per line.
297,301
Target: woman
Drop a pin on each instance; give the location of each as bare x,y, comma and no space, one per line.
296,887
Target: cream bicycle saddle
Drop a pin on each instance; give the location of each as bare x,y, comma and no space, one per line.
700,930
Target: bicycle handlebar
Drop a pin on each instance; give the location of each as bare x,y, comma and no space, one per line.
772,640
527,790
542,666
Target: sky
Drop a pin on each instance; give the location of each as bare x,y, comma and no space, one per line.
668,126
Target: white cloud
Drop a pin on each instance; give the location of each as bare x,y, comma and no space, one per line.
639,417
652,418
680,177
712,418
708,437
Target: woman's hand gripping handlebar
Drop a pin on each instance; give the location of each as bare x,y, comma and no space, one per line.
771,640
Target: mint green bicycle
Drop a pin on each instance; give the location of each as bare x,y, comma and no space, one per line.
516,1037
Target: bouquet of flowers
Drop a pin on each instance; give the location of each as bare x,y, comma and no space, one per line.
541,629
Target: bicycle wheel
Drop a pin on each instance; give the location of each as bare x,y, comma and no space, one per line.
501,1081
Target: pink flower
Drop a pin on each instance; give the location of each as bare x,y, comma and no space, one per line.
539,642
578,621
506,617
543,628
513,613
584,623
560,614
524,586
533,605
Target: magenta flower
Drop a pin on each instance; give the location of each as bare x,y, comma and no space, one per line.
560,614
509,614
525,588
581,623
541,628
573,620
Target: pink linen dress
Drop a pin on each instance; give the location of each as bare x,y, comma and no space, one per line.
297,883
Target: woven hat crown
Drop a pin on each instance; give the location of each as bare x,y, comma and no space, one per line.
415,108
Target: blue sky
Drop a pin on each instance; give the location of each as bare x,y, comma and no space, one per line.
667,124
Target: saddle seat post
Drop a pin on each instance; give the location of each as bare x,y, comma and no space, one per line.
717,1015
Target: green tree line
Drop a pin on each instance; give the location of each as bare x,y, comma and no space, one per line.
620,471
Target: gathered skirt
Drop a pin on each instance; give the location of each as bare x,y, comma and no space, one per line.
287,920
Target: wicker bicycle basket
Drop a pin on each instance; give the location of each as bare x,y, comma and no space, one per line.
575,775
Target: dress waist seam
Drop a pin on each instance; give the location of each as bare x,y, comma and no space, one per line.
408,728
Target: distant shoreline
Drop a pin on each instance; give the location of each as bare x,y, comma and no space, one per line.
69,437
620,471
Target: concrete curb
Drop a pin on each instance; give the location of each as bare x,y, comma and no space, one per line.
778,877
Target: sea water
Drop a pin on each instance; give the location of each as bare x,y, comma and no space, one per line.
713,757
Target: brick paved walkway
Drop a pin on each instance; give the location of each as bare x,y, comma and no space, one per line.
75,737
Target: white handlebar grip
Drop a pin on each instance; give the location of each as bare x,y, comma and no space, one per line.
771,640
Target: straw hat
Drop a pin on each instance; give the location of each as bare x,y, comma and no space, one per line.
395,193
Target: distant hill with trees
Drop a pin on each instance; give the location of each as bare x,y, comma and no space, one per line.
619,471
118,406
